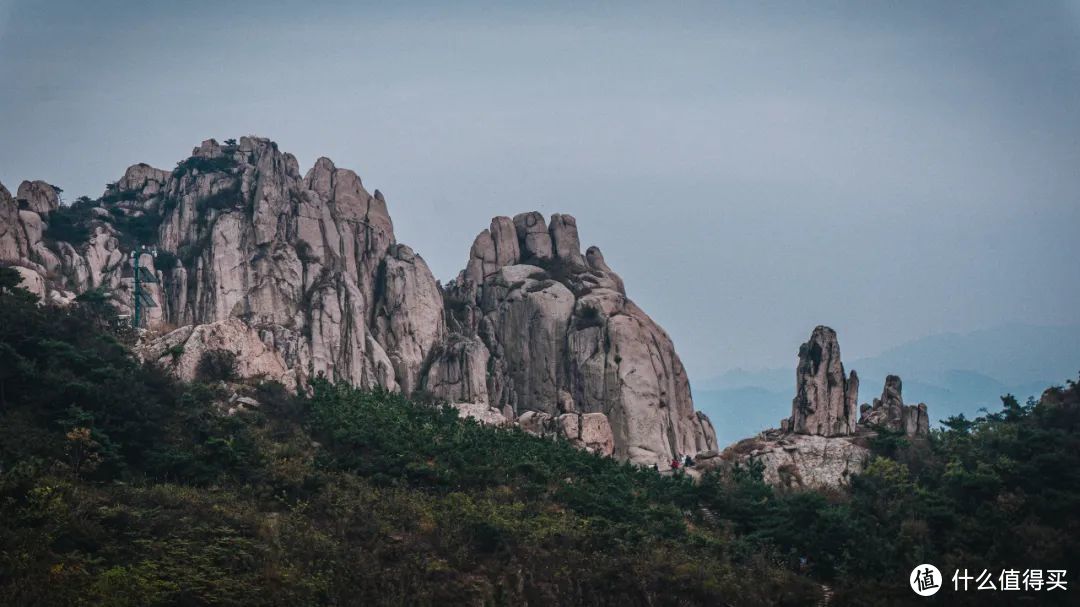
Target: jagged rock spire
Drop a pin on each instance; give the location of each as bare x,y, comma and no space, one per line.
825,400
890,411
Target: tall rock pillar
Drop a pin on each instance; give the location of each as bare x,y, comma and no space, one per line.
825,402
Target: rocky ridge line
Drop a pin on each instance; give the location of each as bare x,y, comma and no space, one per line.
302,275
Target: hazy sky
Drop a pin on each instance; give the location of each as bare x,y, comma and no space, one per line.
892,170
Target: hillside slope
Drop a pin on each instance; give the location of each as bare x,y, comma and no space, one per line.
119,484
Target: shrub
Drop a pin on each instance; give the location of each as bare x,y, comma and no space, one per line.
200,164
225,198
190,252
70,223
113,196
304,251
217,365
137,229
165,260
590,317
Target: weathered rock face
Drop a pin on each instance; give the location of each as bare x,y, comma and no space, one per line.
481,413
182,351
802,460
825,400
23,224
13,245
309,264
821,444
560,338
890,411
38,196
301,275
589,431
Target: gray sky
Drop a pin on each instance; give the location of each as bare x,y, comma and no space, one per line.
891,169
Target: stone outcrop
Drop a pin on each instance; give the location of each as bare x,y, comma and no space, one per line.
301,275
13,245
182,351
560,338
37,196
825,402
481,413
890,412
823,443
801,460
589,431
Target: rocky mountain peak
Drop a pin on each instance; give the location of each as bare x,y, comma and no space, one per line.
301,275
557,336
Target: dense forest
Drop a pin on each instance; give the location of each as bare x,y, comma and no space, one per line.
122,486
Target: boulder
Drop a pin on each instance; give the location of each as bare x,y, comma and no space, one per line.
32,281
38,196
565,241
800,460
458,371
481,413
532,233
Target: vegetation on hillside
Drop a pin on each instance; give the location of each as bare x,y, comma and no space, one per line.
120,486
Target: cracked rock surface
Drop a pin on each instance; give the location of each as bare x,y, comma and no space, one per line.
560,338
301,274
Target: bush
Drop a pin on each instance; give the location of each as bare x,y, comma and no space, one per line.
138,229
217,365
304,251
189,253
225,198
113,196
165,260
200,164
591,316
70,223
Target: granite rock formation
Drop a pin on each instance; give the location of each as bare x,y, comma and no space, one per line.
309,264
301,275
824,441
559,337
825,401
890,412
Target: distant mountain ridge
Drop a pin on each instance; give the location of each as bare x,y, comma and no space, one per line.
952,372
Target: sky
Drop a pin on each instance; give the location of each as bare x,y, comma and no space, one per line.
893,170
